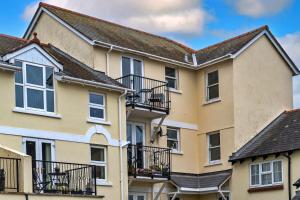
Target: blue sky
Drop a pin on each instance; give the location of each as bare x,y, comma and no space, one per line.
196,23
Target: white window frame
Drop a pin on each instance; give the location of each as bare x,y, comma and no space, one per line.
97,106
131,58
209,148
43,88
100,163
178,138
208,86
136,194
173,78
261,173
38,143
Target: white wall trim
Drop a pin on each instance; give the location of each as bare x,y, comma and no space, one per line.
176,124
208,189
70,137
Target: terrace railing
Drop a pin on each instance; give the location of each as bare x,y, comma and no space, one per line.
148,93
9,174
63,178
147,161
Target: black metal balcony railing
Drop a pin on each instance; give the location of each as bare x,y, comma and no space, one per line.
149,93
9,174
63,178
149,161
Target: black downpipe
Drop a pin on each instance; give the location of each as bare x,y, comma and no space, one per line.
288,156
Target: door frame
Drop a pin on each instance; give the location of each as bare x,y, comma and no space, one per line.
135,194
134,124
38,147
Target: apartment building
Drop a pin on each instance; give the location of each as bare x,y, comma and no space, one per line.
131,115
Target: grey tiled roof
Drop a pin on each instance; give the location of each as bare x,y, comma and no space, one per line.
115,34
207,180
71,66
281,135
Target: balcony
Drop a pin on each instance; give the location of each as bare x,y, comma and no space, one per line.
63,178
148,95
149,162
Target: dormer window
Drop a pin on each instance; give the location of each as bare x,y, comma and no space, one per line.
34,87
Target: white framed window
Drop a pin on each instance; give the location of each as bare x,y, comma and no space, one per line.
137,196
99,159
212,85
214,147
173,138
171,77
97,106
266,173
34,88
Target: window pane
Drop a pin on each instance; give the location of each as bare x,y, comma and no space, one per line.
96,99
171,83
213,92
212,78
100,172
97,113
35,98
254,174
97,154
266,167
172,144
125,66
277,170
137,67
172,134
214,140
50,101
266,179
170,72
19,96
49,78
130,197
215,154
34,75
19,74
140,198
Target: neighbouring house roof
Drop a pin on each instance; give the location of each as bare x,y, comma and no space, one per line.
200,182
71,66
94,29
280,136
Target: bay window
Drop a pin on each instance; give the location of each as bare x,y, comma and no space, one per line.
34,89
266,173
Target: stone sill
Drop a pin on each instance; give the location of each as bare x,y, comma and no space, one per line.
265,188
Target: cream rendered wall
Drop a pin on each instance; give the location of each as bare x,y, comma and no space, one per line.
240,181
51,31
216,116
72,104
262,89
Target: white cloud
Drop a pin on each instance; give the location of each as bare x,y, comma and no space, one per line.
291,43
156,16
258,8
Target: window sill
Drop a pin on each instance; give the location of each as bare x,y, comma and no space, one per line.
212,101
175,91
265,188
39,113
95,121
213,164
176,152
104,183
